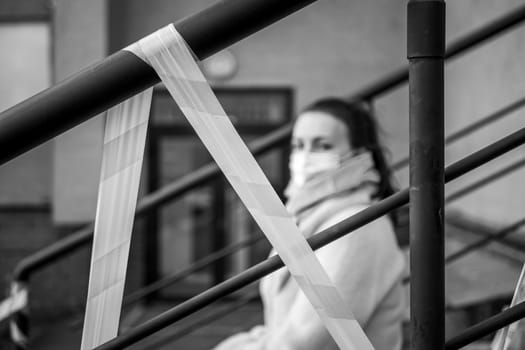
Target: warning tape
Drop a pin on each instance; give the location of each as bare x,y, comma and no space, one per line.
166,51
16,301
123,151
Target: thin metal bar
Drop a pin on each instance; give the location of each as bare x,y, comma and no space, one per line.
122,75
485,155
426,50
478,229
469,129
198,265
484,181
505,111
486,327
454,49
50,253
482,242
150,289
212,316
498,236
323,238
146,205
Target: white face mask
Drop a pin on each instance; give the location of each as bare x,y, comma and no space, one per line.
306,165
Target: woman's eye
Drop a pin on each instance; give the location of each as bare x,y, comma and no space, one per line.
326,146
296,145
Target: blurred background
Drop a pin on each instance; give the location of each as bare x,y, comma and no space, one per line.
333,47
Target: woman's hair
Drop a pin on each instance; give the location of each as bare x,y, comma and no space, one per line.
362,129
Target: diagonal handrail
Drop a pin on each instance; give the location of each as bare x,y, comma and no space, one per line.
185,272
454,49
485,180
208,318
326,236
122,75
486,327
498,236
469,129
179,275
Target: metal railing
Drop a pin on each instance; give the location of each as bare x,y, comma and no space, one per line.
122,75
322,238
469,129
181,274
164,195
498,236
458,194
205,320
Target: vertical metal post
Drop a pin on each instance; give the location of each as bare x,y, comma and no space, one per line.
426,50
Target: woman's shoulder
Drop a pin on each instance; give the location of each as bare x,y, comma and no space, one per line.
377,235
382,223
336,216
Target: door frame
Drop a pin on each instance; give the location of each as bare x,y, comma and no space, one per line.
152,269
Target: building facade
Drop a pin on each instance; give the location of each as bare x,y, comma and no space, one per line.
331,48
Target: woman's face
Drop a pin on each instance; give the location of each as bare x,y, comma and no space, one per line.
316,131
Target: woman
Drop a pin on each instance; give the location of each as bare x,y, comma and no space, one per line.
337,169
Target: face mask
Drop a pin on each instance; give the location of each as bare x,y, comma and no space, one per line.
355,169
306,165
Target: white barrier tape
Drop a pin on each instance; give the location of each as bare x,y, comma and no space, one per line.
507,335
166,51
124,140
17,336
20,294
16,301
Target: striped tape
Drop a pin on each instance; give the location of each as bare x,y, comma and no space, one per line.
16,306
123,151
505,339
166,51
17,301
19,338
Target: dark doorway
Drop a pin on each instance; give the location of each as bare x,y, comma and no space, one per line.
212,216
